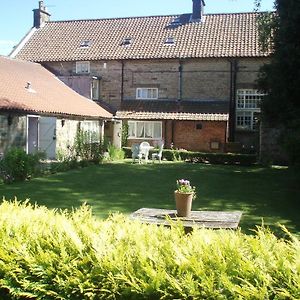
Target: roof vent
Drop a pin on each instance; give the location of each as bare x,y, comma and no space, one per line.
127,41
85,44
169,41
29,88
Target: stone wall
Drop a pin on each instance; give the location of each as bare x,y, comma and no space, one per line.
190,79
66,131
202,79
12,132
270,149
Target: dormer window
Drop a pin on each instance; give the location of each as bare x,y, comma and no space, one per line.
85,44
82,67
169,41
127,41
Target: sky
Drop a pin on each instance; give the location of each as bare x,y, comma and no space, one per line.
16,16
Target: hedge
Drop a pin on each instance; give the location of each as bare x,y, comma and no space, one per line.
202,157
47,254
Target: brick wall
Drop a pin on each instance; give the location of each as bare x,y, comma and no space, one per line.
200,135
190,135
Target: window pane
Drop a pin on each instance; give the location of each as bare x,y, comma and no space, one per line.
140,130
157,130
244,120
131,129
148,130
147,93
82,67
95,89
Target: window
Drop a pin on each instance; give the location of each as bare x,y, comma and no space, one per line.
126,41
146,93
82,67
91,130
85,44
95,89
169,41
144,130
247,106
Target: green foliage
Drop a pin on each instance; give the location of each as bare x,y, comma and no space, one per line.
280,79
49,255
19,166
115,153
201,157
85,148
124,134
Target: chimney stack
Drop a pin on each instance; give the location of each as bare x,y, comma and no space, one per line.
198,10
40,15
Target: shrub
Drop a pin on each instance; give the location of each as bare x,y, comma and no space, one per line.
18,166
115,153
49,255
201,157
86,148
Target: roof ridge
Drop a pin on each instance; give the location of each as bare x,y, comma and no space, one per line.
151,16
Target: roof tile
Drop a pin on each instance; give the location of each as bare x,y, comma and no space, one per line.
45,93
219,35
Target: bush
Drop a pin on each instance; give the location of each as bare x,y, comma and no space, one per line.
19,166
201,157
115,153
86,148
49,255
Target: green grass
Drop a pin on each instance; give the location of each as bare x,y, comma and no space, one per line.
268,194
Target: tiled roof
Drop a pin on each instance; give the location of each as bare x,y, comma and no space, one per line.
171,116
219,35
30,88
174,110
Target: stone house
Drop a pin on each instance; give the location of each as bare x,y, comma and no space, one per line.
187,79
38,112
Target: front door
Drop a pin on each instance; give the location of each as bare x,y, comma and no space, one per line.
47,134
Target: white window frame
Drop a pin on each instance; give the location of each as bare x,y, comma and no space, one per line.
83,67
247,106
144,123
95,89
147,93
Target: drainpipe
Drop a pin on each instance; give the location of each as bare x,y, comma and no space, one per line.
172,134
122,80
232,99
180,68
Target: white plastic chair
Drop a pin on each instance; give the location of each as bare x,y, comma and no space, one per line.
158,155
136,154
144,151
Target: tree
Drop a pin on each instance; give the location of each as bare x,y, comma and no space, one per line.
281,78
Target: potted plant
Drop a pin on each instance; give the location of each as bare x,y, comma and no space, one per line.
184,195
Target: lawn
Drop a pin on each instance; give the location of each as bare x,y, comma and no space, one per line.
268,195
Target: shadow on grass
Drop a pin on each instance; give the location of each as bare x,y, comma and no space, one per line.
271,195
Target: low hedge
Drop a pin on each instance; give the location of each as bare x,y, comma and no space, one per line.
202,157
49,255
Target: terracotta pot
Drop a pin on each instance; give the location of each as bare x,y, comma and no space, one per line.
183,203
